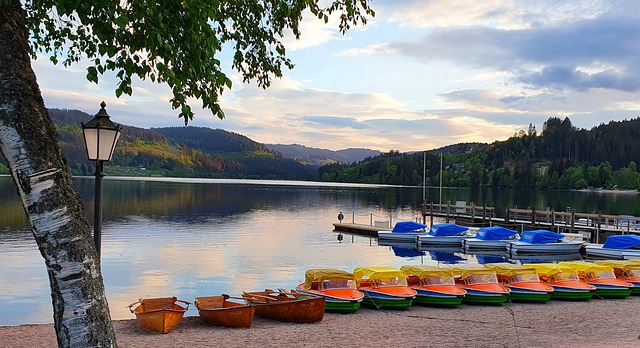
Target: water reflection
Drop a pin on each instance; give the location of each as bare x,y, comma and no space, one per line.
190,238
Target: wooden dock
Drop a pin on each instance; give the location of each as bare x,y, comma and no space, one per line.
365,230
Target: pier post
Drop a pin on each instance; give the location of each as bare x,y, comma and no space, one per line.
484,213
533,216
573,219
506,216
431,219
598,227
370,219
353,217
473,211
448,210
553,218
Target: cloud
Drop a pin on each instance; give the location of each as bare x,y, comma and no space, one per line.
501,14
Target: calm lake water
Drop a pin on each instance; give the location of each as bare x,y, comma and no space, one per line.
198,237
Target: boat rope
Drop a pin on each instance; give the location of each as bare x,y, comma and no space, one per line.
372,301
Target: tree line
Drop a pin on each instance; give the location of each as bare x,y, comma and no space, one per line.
561,157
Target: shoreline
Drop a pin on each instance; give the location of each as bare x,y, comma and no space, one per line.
595,323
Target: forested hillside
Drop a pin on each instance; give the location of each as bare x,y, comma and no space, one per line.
184,151
562,156
318,157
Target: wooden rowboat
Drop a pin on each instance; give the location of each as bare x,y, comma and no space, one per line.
159,314
218,310
286,306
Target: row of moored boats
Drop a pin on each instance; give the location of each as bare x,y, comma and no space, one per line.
335,290
501,239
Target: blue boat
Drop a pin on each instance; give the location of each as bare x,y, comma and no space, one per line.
445,235
543,242
404,231
490,238
625,247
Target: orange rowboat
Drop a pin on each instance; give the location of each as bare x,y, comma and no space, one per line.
218,310
286,306
159,314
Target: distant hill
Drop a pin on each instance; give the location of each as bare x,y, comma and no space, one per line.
318,157
177,151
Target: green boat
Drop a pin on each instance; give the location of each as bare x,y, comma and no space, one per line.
481,284
627,270
379,301
572,294
338,288
435,286
523,282
384,287
603,278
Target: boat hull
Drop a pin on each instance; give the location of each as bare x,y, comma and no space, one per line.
518,294
160,315
484,298
216,310
377,300
399,237
448,241
569,293
606,291
570,247
301,309
431,298
335,304
475,244
597,251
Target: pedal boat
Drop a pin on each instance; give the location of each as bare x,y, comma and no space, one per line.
627,270
435,286
338,288
384,287
481,284
603,278
564,280
445,235
523,282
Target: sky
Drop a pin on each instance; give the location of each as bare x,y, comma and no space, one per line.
420,75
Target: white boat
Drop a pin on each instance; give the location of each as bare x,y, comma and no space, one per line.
405,231
622,247
445,235
490,238
543,242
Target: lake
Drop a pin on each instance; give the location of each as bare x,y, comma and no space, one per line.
199,237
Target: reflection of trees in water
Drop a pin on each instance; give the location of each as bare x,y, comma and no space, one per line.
12,215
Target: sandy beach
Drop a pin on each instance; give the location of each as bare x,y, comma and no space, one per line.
596,323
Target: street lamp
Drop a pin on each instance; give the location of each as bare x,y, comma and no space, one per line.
100,137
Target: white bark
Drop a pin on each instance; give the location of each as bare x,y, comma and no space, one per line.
28,142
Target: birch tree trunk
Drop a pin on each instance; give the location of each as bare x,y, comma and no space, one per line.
28,141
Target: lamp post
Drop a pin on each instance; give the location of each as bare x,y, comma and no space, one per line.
100,137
